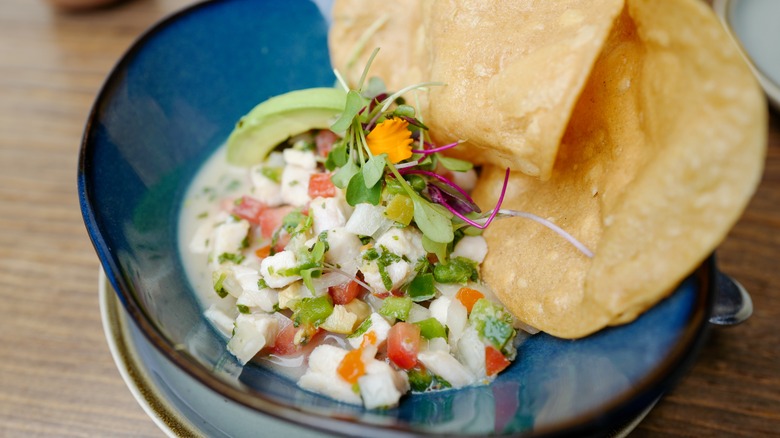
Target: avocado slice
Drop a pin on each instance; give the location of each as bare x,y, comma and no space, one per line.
271,122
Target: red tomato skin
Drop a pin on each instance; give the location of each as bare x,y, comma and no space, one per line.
324,141
495,361
320,185
403,343
284,346
344,293
250,209
271,219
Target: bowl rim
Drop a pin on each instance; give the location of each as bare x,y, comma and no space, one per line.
641,395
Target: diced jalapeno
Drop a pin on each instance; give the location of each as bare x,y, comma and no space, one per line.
457,270
396,307
431,328
421,288
492,322
313,311
419,380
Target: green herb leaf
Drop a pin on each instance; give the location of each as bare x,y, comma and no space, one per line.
393,186
374,169
434,224
357,192
307,275
296,222
342,176
272,173
438,248
337,157
218,278
404,111
455,164
355,103
362,328
375,87
230,257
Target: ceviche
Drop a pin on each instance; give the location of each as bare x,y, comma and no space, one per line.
343,249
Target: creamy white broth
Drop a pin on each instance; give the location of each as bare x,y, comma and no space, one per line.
215,183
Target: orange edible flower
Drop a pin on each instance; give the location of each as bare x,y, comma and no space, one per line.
391,137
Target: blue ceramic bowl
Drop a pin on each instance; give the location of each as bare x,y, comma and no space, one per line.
173,99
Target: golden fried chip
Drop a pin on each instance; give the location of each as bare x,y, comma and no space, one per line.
662,153
360,26
514,70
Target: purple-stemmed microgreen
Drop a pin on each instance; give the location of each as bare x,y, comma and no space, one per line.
441,178
486,221
446,200
440,194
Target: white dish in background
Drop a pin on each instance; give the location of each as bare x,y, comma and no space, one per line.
754,25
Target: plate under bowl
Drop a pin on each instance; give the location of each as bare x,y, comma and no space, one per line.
172,100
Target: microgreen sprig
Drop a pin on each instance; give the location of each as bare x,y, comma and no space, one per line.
378,137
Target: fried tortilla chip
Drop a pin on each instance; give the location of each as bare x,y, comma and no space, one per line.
514,70
662,153
360,26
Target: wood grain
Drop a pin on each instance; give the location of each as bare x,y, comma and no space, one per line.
57,377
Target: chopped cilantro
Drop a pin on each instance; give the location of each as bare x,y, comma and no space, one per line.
218,279
230,257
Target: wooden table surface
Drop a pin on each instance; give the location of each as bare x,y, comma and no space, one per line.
57,377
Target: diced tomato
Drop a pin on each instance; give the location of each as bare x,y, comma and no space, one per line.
397,293
284,345
344,293
325,140
381,295
352,366
495,361
271,219
250,209
403,343
321,185
468,297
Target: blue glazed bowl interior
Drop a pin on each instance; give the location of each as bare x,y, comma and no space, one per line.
173,99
